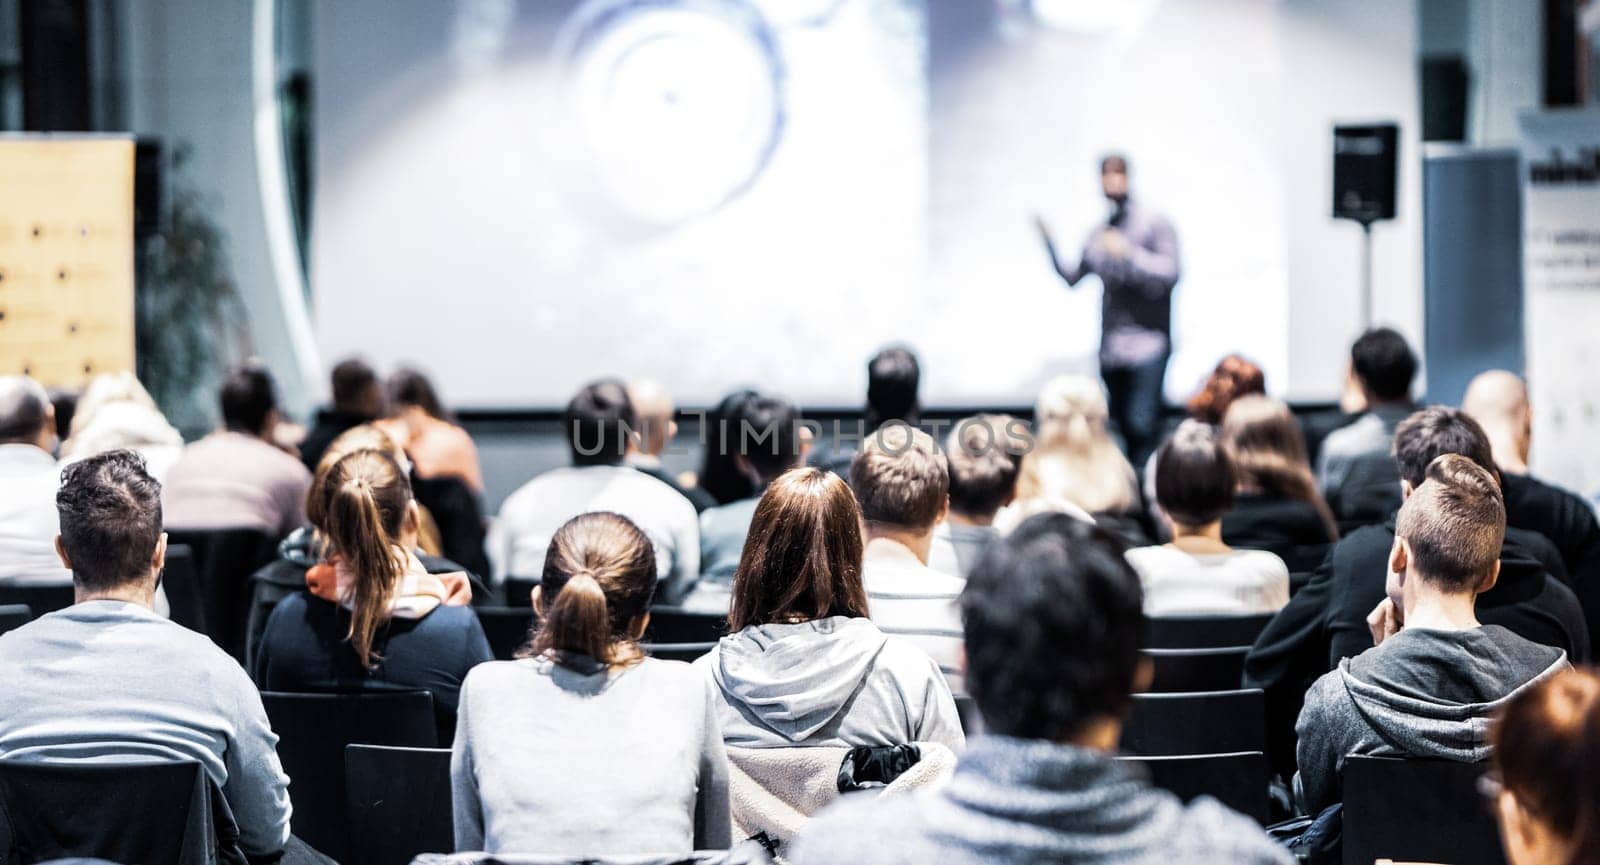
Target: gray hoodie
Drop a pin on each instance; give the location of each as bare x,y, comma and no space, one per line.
835,682
1422,693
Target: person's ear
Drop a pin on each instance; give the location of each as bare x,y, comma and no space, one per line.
1399,558
538,601
61,553
638,626
1144,674
1493,578
413,521
745,468
672,431
158,561
944,510
807,440
1406,489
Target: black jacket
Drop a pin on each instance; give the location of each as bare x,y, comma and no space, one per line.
1570,524
1291,528
329,425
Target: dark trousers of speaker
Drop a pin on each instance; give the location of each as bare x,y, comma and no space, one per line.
1133,395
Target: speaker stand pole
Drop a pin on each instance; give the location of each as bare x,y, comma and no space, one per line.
1366,275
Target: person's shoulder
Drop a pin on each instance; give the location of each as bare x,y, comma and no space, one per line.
1263,561
664,495
865,831
1211,832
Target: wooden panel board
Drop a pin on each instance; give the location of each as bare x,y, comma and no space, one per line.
66,257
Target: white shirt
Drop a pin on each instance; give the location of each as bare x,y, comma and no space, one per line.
916,603
1240,582
532,514
29,478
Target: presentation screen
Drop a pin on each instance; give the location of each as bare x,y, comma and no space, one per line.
520,197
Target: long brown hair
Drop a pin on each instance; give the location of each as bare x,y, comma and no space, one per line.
1547,753
1234,377
364,501
802,556
599,577
1269,454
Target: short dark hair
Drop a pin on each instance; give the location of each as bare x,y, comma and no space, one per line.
1433,432
769,435
1053,617
901,478
1454,523
1114,163
1384,362
893,376
110,512
24,405
1194,476
597,423
411,387
352,380
984,463
248,397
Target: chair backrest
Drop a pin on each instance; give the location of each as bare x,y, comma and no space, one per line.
1427,810
1212,722
677,625
507,628
39,599
1219,669
13,616
313,730
120,812
967,711
224,560
519,592
181,581
398,803
1237,780
677,651
1204,632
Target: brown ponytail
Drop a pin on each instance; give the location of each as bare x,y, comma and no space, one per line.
599,577
365,498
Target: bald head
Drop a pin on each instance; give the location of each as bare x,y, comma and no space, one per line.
653,407
26,415
1498,401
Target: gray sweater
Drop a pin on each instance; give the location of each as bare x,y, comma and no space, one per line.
1032,802
107,679
584,762
1422,693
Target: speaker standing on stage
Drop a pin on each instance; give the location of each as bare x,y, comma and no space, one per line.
1135,254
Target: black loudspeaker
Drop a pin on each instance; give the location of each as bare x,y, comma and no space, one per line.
1364,159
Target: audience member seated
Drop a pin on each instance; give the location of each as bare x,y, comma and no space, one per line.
115,412
1054,619
901,481
437,445
803,664
655,413
1353,468
357,399
1546,745
584,747
29,478
720,475
893,377
984,456
1197,573
1435,675
1498,401
236,478
1234,378
1277,507
390,625
1075,465
772,446
108,679
597,423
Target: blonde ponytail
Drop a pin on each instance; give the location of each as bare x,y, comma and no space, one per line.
366,500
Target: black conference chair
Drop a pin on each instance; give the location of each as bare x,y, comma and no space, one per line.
224,560
1237,780
677,625
677,651
1189,670
119,812
1215,722
39,599
398,803
967,711
1387,799
507,628
519,591
1204,632
313,730
13,616
182,585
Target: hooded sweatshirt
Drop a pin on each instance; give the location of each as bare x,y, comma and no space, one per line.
1030,801
838,682
1423,693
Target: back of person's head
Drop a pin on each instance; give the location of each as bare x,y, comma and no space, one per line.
1234,377
901,479
720,472
1384,363
1546,753
1195,481
110,512
893,376
1053,617
769,436
356,389
1434,431
1268,451
24,410
599,577
1454,524
249,399
1073,456
1073,409
802,556
653,411
410,388
984,454
598,422
362,437
107,391
366,507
